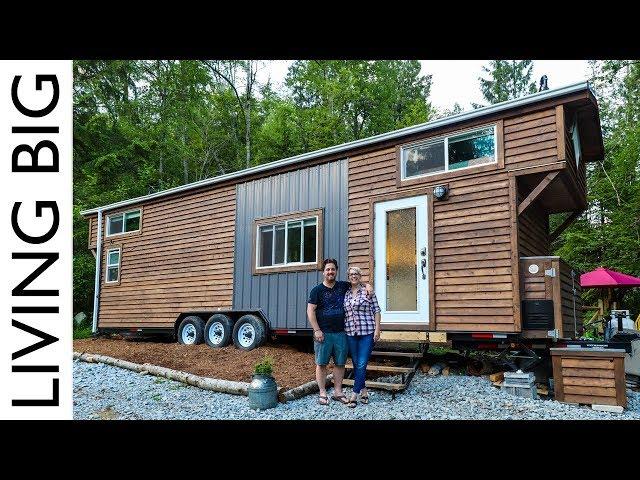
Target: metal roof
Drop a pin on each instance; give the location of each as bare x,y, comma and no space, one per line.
423,127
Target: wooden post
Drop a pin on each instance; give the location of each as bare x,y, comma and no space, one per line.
563,226
537,191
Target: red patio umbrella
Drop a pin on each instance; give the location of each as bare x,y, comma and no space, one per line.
604,278
608,279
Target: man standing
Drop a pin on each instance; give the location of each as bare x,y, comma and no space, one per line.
325,311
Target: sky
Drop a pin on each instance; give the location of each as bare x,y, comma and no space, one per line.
457,80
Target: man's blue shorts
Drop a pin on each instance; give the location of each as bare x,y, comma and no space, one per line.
334,344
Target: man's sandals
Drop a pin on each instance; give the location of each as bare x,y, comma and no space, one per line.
343,399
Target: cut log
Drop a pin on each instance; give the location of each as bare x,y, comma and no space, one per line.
542,390
436,369
213,384
303,390
496,377
446,371
424,368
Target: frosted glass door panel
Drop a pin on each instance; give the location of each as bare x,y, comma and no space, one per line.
401,260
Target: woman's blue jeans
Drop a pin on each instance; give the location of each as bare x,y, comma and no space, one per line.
360,347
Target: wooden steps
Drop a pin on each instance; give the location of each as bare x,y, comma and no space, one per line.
383,368
392,387
411,355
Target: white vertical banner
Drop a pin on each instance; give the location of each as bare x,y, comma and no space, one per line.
36,137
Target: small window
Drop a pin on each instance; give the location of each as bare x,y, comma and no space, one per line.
288,242
470,149
575,137
113,265
453,152
425,159
123,223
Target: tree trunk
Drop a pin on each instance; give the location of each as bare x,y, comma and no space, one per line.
247,133
185,161
302,390
247,115
214,384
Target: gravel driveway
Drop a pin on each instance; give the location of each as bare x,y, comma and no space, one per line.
106,392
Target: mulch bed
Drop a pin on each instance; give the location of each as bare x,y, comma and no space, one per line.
291,366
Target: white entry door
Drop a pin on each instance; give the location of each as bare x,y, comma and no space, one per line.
401,260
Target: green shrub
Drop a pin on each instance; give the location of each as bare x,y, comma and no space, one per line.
265,367
82,332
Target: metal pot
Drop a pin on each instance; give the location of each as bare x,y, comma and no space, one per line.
262,392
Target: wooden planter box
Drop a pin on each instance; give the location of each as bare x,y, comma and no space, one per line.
589,375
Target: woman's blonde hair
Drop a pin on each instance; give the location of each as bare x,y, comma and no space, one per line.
355,269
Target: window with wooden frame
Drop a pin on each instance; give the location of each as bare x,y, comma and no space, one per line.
455,151
113,265
124,222
289,242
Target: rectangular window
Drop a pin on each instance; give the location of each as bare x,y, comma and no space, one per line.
575,138
123,223
113,265
470,149
288,242
424,159
453,152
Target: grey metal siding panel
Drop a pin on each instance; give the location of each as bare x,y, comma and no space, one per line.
283,296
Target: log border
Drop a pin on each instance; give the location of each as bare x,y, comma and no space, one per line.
205,383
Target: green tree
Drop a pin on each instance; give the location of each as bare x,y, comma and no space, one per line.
340,100
508,79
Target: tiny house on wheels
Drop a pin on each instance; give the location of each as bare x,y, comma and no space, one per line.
449,220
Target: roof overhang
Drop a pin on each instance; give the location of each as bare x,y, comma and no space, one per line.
345,147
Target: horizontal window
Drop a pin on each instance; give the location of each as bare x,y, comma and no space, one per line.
293,241
113,265
123,222
453,152
288,242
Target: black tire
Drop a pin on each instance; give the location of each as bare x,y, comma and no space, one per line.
195,330
218,331
253,332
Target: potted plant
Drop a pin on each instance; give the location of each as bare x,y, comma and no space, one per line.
263,390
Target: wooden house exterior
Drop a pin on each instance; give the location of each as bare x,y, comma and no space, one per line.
438,265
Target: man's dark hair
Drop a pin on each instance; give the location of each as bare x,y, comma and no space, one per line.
329,260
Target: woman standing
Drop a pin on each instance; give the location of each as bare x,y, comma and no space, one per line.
362,325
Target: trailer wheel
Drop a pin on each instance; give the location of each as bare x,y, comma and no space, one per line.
249,332
218,331
191,330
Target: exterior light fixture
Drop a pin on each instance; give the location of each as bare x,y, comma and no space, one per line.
440,192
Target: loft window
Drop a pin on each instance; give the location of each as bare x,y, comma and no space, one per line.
453,152
575,137
123,222
113,265
288,242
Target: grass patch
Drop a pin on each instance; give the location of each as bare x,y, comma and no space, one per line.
438,350
177,386
82,332
157,397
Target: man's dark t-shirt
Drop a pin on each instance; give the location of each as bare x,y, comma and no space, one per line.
330,305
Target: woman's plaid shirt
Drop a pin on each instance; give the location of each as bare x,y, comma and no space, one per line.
360,312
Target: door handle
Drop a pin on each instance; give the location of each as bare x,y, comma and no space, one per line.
423,263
